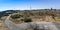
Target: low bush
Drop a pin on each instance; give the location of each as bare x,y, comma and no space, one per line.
27,20
15,16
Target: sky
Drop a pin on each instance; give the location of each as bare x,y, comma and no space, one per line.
26,4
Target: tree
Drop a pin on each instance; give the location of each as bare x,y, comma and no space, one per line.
51,9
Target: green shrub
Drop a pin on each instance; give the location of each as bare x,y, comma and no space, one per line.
6,14
27,20
21,19
15,16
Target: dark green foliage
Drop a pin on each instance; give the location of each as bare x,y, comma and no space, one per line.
15,16
21,19
27,20
6,14
0,16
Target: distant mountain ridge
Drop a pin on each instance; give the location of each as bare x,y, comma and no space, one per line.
5,13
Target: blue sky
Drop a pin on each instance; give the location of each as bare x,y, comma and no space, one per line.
25,4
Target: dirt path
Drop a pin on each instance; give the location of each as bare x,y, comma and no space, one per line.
33,25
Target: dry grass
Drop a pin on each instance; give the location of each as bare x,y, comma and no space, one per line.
57,19
42,18
38,19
